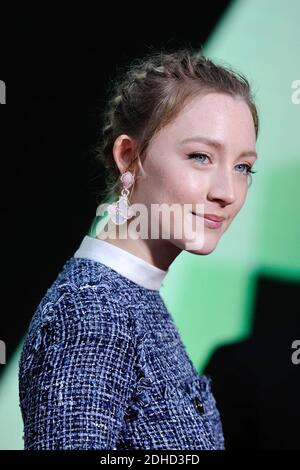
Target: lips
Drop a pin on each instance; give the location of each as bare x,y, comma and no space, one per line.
213,217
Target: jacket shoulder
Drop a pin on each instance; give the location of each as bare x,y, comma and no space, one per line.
78,351
81,299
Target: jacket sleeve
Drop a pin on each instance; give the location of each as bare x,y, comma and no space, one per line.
76,376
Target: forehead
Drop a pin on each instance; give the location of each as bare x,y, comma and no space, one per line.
217,115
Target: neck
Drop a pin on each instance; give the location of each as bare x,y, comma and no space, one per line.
159,253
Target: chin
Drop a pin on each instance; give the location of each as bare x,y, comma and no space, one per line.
205,249
202,251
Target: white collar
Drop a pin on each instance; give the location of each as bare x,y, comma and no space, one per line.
125,263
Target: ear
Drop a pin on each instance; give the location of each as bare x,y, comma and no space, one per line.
124,149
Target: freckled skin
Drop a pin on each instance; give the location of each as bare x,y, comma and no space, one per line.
170,176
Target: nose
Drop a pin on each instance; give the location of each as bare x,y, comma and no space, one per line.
222,187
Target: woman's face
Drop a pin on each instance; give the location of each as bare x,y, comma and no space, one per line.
217,174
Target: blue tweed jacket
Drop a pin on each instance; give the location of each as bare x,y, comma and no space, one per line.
103,367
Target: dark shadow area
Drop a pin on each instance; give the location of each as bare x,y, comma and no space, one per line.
255,382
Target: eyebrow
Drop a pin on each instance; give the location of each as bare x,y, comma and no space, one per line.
216,144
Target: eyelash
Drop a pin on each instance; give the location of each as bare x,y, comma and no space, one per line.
249,170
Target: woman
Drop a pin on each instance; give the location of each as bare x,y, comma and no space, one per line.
103,365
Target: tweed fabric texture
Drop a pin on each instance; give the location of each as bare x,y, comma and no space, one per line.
103,366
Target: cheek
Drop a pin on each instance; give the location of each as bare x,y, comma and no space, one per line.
239,203
242,195
192,187
169,184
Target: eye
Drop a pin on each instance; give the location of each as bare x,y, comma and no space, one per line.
248,168
194,156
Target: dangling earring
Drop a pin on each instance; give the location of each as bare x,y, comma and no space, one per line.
120,211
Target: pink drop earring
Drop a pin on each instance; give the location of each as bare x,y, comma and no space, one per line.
120,211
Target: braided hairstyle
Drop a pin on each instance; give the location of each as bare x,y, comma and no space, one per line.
149,94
